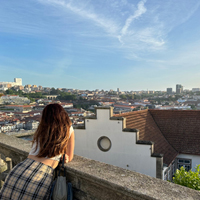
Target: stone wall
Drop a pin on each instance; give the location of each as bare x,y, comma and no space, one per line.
93,180
14,148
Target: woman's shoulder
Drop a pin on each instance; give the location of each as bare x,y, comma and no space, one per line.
71,130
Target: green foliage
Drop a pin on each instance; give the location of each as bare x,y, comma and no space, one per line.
170,98
189,179
30,96
34,95
193,107
129,96
9,91
12,91
123,96
32,100
84,106
80,98
54,91
66,96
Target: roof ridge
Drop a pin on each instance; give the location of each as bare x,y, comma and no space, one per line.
131,112
173,110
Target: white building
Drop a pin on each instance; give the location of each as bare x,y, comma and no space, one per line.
17,82
14,99
148,141
105,139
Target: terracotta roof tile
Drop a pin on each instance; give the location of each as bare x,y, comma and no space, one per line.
181,128
149,131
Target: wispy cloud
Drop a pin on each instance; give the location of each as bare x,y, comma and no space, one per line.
141,10
120,28
107,24
136,26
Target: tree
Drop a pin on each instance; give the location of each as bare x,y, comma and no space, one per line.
66,96
123,96
10,91
54,91
189,179
193,107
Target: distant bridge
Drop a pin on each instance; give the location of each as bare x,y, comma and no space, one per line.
51,97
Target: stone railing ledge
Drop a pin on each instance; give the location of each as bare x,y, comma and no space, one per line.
117,183
99,181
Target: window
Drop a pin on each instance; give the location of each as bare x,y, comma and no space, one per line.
186,163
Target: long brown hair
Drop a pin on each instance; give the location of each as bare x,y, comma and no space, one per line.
52,134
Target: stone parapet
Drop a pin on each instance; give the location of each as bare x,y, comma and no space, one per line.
93,180
14,148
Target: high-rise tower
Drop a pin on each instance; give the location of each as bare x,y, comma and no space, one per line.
179,89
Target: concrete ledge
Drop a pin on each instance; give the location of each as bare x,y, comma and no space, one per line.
131,130
96,180
144,142
15,148
24,134
15,143
158,155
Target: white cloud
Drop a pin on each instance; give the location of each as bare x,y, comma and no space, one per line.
141,10
123,25
128,35
107,24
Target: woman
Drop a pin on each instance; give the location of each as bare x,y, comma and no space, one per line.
32,178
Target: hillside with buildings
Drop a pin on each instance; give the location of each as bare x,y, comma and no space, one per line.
21,106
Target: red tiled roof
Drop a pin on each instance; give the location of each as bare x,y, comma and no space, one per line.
149,131
172,131
125,106
181,128
24,106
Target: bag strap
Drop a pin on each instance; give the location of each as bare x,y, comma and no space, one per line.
63,162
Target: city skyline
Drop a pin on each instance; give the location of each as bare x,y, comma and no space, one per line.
131,45
18,82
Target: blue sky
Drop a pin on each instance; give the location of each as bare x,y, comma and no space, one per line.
101,44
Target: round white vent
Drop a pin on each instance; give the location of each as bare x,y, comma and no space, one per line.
104,143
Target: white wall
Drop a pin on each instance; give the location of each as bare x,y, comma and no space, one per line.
195,159
124,150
